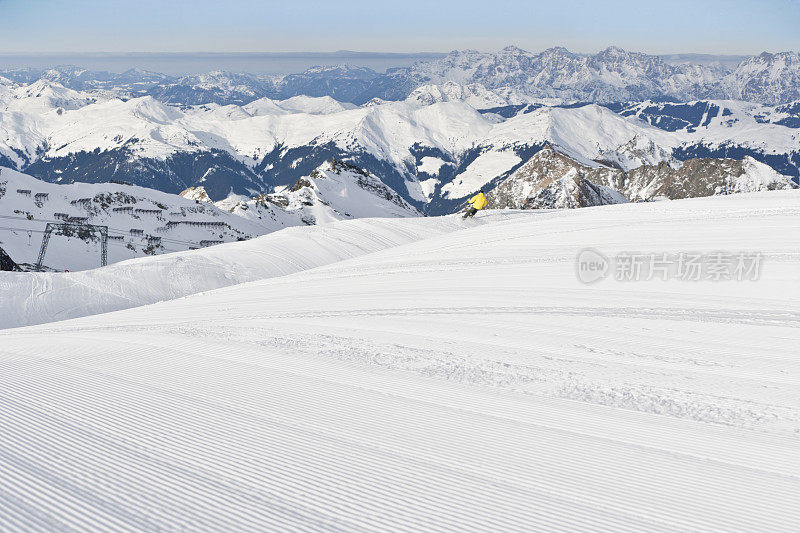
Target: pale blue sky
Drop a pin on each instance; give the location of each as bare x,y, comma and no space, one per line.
708,26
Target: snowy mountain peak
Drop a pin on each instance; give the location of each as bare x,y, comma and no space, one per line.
514,50
42,86
613,74
773,61
617,54
461,53
755,176
475,94
335,190
557,51
137,70
314,105
337,167
767,78
68,70
338,190
150,109
702,177
45,95
137,74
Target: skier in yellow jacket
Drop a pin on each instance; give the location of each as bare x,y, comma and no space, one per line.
476,203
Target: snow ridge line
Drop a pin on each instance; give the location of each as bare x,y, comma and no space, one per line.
28,299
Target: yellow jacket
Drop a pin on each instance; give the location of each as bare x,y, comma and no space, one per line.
478,201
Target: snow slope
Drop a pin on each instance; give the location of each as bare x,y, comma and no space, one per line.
139,221
33,299
146,222
465,382
335,190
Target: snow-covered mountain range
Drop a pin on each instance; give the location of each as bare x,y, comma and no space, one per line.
433,149
511,74
264,150
612,75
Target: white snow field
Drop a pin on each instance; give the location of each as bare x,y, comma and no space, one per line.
47,297
467,381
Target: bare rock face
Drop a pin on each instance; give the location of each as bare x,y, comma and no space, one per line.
550,180
6,263
702,177
697,177
198,194
303,183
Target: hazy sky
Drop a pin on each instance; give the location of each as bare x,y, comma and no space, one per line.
710,26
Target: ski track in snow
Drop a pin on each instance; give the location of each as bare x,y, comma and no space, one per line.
463,380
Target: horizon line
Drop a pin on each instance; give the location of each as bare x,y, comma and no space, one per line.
343,52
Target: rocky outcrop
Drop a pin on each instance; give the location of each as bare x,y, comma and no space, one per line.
6,263
702,177
552,180
197,194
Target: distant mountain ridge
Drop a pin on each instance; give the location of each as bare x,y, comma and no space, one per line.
611,75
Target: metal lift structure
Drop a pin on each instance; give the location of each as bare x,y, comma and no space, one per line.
74,229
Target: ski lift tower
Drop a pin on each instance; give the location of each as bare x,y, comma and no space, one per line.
77,229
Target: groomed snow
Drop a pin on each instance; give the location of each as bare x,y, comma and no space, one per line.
462,382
